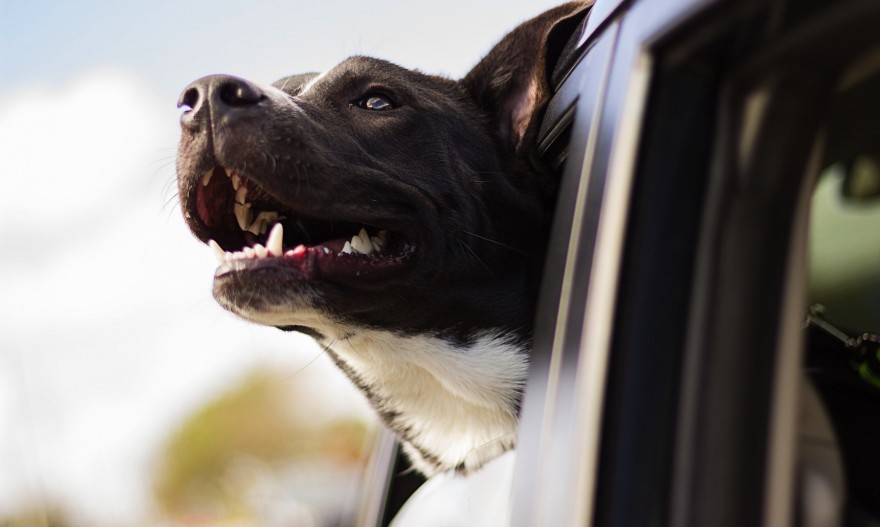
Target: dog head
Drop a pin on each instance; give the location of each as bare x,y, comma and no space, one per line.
398,217
407,201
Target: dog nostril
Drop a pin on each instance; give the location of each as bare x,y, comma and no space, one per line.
189,98
238,93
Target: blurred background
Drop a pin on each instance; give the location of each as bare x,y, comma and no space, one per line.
127,396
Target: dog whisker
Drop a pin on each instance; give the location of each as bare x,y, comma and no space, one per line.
174,200
503,437
496,242
486,267
316,357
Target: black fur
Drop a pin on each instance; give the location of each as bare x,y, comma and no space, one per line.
451,170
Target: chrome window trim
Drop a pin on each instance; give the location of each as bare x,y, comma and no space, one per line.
547,381
602,293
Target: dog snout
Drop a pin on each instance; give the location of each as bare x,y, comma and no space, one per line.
221,97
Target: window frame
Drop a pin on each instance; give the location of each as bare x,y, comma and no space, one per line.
734,425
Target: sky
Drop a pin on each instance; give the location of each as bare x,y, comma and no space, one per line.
109,336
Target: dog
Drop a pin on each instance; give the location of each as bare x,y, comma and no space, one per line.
398,218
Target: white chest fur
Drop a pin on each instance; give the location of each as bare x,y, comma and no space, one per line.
455,407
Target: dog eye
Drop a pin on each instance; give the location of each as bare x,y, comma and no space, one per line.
375,101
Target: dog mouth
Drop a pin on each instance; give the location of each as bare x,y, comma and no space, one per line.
250,229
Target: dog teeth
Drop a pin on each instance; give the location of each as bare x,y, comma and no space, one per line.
241,195
361,243
218,251
236,181
275,242
274,247
380,240
206,178
244,215
261,223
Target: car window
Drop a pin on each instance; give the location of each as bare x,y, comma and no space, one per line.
842,357
845,222
845,244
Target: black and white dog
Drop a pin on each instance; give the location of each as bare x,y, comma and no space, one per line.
398,218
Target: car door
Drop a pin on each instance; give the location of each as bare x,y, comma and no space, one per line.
667,386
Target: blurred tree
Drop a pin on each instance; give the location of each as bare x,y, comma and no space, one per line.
213,462
50,516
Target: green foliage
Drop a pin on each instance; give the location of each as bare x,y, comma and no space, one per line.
260,422
36,517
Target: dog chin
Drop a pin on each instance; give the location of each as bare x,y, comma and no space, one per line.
270,306
303,318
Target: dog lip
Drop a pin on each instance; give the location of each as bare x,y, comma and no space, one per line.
318,263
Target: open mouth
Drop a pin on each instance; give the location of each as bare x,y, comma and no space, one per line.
250,229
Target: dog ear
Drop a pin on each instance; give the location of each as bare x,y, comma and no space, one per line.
512,83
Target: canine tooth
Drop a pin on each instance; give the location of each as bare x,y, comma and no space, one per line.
261,251
218,251
236,180
207,177
241,195
346,248
326,250
243,214
275,241
228,171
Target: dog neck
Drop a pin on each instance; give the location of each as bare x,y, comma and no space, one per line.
454,406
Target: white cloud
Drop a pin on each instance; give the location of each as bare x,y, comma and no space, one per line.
109,334
70,150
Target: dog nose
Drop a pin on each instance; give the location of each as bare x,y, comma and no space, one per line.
220,95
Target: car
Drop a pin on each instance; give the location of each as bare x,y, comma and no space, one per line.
704,351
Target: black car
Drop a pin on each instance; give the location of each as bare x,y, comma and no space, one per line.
705,351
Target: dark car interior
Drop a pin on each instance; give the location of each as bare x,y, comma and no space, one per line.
844,285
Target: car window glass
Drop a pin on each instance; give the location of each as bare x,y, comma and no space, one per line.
845,221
